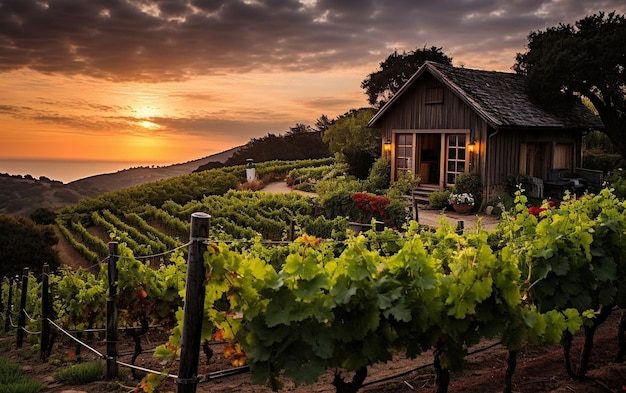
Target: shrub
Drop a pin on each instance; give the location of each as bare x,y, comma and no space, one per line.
338,204
500,203
395,214
323,227
326,188
13,380
405,183
81,373
617,181
379,176
596,159
254,185
469,183
439,199
369,206
514,182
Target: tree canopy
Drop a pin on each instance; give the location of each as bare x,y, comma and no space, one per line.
380,86
26,244
587,59
350,136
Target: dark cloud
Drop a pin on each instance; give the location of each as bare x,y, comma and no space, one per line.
146,40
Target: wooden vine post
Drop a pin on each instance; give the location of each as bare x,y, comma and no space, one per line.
111,324
193,310
9,308
21,322
45,314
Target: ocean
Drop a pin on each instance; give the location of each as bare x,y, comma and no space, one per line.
66,170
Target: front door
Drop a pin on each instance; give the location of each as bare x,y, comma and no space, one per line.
428,157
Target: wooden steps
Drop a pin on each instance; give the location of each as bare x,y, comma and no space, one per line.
421,193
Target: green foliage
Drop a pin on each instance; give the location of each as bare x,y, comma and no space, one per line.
26,244
308,177
617,181
327,187
359,145
501,203
14,380
338,204
323,227
300,145
43,216
406,182
296,310
380,86
80,374
395,214
380,176
513,183
439,199
596,159
566,61
597,140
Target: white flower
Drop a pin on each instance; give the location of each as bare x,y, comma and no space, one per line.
462,199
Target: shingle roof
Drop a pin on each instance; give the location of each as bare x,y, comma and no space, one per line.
499,98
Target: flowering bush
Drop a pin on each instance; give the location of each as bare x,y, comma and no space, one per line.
462,199
536,210
369,206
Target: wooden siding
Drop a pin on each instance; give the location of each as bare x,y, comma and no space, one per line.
503,149
411,113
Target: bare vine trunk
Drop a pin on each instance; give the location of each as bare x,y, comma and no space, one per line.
442,380
585,355
621,338
510,370
350,387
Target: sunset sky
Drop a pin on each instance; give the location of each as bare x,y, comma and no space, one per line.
175,80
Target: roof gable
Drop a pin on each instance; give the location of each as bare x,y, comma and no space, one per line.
498,97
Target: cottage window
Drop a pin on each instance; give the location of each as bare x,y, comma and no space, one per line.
455,156
404,152
434,95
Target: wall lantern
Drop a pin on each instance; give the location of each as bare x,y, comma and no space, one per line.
388,145
473,146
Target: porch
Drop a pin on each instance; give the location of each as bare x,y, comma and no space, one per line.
559,180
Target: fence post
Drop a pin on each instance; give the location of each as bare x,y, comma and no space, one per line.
1,295
45,314
194,304
7,315
111,324
292,229
21,322
460,227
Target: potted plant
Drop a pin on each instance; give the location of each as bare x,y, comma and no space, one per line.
462,202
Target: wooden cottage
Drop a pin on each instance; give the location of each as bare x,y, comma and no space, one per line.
447,120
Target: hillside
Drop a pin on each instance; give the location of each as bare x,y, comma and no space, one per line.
21,196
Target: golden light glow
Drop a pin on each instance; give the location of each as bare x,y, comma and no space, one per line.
146,112
473,147
149,125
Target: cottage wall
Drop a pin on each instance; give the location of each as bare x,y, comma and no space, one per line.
413,113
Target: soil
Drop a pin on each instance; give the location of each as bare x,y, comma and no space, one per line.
539,369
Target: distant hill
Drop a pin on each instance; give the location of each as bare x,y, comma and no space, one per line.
294,146
20,196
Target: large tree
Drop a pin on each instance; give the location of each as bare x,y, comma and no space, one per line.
350,136
381,85
587,59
